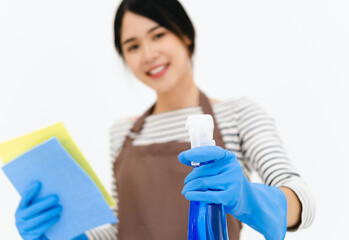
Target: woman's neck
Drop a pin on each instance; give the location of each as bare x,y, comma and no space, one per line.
181,96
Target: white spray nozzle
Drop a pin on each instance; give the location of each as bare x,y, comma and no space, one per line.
200,128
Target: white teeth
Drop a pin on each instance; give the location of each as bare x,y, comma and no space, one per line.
157,70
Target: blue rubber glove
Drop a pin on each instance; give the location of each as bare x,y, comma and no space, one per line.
219,179
34,216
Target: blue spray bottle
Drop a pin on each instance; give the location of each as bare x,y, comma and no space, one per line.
206,221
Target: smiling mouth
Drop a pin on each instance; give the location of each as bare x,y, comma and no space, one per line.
159,71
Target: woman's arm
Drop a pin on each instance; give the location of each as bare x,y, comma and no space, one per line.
264,151
294,208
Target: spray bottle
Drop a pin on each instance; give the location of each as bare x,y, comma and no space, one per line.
206,221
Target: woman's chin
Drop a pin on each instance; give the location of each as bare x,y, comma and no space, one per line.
162,88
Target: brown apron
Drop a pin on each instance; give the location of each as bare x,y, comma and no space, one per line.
149,182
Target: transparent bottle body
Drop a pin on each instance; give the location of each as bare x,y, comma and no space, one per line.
207,221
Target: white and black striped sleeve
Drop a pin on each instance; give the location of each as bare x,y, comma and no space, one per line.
263,149
105,232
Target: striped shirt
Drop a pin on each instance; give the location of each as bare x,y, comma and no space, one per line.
247,130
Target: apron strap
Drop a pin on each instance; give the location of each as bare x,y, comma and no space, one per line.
139,123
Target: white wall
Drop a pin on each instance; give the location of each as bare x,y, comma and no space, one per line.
58,63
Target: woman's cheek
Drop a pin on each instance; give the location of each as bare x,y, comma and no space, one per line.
133,64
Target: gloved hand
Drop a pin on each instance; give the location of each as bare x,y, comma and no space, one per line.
34,216
219,179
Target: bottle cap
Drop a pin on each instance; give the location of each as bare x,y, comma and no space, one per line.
200,128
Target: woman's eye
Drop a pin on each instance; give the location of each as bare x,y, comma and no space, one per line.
132,48
158,35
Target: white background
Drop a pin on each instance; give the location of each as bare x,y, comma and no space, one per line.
58,63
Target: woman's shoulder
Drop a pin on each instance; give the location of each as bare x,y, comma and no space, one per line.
117,134
121,127
242,108
236,103
123,122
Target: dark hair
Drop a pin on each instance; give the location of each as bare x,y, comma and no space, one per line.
168,13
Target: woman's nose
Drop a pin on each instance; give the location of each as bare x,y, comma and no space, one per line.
149,52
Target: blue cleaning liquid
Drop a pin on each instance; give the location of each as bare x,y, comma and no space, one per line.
216,223
207,222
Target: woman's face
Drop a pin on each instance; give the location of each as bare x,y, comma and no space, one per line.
156,56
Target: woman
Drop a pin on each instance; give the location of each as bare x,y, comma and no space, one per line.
156,40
